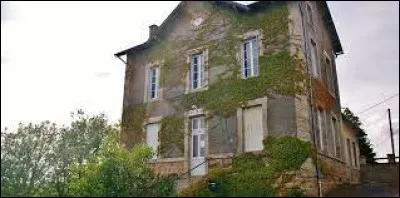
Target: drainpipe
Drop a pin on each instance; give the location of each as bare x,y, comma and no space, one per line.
319,182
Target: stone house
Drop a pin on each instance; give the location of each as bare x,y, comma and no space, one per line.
352,150
215,78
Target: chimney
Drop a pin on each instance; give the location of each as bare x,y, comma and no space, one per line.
153,31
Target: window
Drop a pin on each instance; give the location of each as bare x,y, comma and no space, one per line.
198,137
334,140
250,58
349,158
153,85
152,137
355,154
314,65
309,15
319,132
196,71
329,74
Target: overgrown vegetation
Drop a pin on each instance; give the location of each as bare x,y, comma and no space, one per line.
171,135
47,160
277,71
255,174
133,118
117,172
363,141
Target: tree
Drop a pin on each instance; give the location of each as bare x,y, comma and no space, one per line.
363,141
26,159
117,172
36,159
77,143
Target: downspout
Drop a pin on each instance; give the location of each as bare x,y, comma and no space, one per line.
319,182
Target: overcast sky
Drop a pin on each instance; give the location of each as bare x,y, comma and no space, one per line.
57,57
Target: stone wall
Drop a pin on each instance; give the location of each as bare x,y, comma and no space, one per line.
168,166
380,172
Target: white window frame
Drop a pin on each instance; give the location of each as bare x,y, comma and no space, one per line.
150,83
315,70
254,68
200,131
200,71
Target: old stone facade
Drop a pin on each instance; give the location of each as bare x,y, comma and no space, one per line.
172,99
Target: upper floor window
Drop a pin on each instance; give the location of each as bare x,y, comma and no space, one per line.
335,141
330,76
196,71
309,15
153,82
320,118
250,58
314,59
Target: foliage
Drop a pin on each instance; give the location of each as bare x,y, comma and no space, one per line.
115,171
250,175
277,71
171,134
286,153
36,159
131,125
26,159
296,192
363,141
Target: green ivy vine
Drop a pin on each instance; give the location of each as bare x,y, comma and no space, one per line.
171,135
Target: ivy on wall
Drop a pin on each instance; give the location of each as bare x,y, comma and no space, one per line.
171,135
221,33
133,118
255,174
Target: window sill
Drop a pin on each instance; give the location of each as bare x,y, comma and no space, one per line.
205,88
166,160
245,78
154,100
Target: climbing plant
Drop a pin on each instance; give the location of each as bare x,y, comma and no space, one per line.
132,121
171,135
221,33
255,174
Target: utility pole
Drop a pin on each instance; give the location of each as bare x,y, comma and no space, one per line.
391,132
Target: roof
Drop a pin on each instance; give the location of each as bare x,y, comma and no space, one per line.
337,47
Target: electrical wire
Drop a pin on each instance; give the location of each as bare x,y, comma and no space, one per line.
370,107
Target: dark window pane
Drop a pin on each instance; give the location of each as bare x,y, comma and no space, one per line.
195,146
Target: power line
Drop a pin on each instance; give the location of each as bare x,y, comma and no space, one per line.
377,104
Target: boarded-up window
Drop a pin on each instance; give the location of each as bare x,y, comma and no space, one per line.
253,128
152,137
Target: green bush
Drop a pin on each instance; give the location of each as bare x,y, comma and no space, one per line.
295,192
118,172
